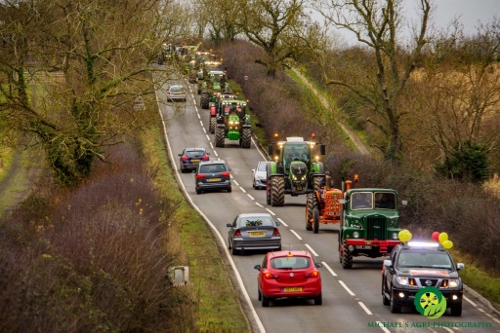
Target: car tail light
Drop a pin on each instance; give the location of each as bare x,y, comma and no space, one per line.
268,275
276,232
200,176
225,174
313,274
237,233
184,158
205,158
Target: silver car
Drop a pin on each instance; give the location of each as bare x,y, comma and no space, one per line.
253,231
259,175
176,93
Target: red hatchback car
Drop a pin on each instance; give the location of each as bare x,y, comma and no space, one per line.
289,274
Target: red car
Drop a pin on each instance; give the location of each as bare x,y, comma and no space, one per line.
289,274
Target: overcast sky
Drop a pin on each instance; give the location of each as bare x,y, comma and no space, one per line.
468,13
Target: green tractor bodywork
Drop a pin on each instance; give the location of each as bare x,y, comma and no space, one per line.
233,123
368,227
294,171
214,83
215,108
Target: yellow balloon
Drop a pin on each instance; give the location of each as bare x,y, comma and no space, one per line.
443,237
447,244
404,236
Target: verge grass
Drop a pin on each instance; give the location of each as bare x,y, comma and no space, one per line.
217,302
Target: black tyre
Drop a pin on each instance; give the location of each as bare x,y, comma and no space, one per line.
395,308
318,300
234,251
385,300
204,100
277,191
347,258
198,191
456,311
212,125
265,301
219,137
259,295
316,220
246,138
316,182
268,197
311,199
229,190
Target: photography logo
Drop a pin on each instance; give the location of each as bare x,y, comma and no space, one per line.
430,302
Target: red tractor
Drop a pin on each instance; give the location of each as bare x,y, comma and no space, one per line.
323,206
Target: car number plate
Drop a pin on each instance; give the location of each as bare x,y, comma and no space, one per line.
333,213
363,247
257,234
299,188
292,289
195,160
214,179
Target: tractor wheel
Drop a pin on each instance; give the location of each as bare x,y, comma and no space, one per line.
277,191
204,101
347,258
213,123
316,181
268,196
246,138
219,137
316,220
309,210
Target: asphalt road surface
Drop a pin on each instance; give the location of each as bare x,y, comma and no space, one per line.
352,300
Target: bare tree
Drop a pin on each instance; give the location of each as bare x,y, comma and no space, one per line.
377,25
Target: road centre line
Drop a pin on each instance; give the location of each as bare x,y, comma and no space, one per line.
296,234
211,145
448,329
198,115
381,325
468,300
243,190
498,321
286,225
215,153
196,108
258,204
328,268
270,211
346,288
207,134
201,123
368,312
251,198
236,182
311,249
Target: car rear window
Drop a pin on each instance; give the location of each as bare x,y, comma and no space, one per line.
212,168
176,89
255,221
195,153
290,263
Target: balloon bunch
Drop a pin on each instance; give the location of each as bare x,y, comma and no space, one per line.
404,236
442,238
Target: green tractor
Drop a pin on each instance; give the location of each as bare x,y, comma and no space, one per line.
294,171
210,87
233,123
216,106
368,223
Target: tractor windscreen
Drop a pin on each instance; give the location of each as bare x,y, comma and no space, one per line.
234,108
297,152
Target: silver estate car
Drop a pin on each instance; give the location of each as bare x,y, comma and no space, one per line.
254,231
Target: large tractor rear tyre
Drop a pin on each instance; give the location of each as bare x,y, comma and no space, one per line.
211,126
316,182
219,137
347,257
316,220
204,100
312,203
246,138
277,191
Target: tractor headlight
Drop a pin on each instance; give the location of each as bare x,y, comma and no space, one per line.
355,234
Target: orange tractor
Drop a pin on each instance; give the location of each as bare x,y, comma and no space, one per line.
323,206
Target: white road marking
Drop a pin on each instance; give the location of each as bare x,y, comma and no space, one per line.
258,204
243,190
468,300
211,145
498,321
311,249
198,116
251,198
449,330
235,182
328,268
286,225
207,134
381,325
215,153
270,211
346,288
201,123
196,108
296,234
368,312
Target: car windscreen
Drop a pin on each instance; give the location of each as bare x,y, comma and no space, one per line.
435,259
294,262
255,221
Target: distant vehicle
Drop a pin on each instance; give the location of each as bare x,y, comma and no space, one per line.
416,265
212,175
289,274
259,175
191,158
257,231
176,93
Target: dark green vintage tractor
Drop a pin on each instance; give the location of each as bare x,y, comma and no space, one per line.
233,123
214,83
295,170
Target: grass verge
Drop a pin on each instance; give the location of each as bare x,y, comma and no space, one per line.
217,302
6,156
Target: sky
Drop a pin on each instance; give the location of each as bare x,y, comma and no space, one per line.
468,13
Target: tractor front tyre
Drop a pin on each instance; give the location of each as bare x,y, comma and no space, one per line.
213,124
219,137
347,257
277,191
309,211
316,182
316,220
246,138
204,101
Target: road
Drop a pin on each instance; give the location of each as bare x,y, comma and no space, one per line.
352,300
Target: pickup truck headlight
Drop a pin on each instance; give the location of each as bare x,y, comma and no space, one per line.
453,283
402,280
